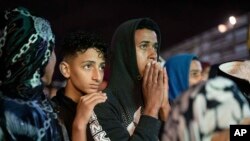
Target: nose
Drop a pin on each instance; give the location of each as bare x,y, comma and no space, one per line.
97,75
152,53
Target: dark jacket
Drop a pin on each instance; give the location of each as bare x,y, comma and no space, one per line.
66,109
124,93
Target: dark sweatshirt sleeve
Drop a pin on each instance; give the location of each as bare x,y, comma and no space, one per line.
110,126
147,129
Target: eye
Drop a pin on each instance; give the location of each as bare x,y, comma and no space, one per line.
87,66
102,67
143,46
156,46
195,74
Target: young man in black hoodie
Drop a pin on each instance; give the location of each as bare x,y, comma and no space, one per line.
137,90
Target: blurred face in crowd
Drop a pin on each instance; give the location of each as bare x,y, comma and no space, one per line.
195,75
205,73
146,45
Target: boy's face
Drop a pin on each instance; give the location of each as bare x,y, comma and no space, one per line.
146,45
86,71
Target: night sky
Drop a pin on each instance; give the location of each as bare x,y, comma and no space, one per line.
178,20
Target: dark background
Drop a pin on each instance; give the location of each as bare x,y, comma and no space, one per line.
178,20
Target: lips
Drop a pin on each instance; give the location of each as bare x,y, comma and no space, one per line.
94,86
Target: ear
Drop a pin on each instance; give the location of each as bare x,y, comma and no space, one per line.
64,69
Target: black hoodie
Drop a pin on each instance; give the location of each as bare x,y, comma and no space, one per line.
124,92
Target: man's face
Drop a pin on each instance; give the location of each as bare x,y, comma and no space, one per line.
195,72
146,45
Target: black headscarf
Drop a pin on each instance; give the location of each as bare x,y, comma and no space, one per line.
26,44
125,80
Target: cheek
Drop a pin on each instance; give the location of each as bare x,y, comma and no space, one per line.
141,61
78,75
48,73
193,81
190,82
81,80
102,76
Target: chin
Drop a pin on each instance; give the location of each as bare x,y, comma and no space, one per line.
90,91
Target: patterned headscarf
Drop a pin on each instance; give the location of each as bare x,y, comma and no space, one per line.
205,109
26,44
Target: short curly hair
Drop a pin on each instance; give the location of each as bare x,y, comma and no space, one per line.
81,41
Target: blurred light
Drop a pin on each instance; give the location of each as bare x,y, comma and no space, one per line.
232,20
222,28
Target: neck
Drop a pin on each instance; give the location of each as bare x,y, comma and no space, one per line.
72,93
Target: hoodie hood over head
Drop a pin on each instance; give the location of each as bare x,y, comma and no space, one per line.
125,81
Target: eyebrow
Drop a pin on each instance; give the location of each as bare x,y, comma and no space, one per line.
147,42
196,70
92,62
88,61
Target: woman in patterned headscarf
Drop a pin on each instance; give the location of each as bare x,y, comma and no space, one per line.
26,46
205,112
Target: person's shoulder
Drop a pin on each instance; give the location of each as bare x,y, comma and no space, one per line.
111,103
111,96
58,98
109,109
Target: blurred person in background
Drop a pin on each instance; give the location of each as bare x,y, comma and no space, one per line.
206,111
184,71
206,66
239,72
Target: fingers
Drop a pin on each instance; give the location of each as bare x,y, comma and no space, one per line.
146,73
88,96
150,73
156,73
86,105
93,99
160,77
165,82
165,77
98,98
